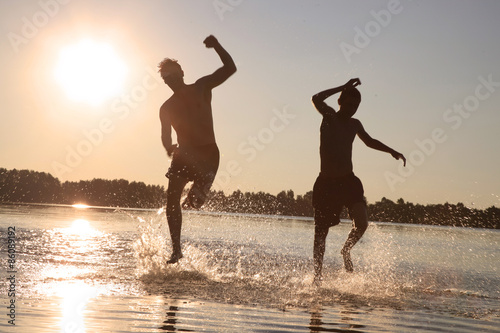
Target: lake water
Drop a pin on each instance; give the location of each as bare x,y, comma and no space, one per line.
103,270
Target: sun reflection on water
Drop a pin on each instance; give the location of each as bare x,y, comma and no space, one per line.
75,298
75,244
81,227
74,249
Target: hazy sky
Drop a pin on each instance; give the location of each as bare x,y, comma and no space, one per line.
430,74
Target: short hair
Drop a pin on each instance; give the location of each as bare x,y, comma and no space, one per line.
166,65
351,92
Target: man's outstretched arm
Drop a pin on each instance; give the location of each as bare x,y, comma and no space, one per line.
228,68
318,100
376,144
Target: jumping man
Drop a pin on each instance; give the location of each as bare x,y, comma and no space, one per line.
336,185
195,157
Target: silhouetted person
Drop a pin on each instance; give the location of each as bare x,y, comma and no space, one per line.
336,185
195,157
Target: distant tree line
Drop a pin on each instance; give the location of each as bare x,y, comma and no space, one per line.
457,215
25,186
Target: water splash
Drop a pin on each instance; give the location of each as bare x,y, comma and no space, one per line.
248,272
150,247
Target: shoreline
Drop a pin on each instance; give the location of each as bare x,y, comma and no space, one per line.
238,215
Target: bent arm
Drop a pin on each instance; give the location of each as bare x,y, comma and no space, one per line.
228,66
318,100
377,145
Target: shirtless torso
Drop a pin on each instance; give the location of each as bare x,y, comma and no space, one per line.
189,113
337,136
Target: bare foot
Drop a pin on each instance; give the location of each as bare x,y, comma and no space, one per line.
175,257
347,260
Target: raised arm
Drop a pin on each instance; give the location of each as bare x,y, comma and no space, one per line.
376,144
318,100
228,67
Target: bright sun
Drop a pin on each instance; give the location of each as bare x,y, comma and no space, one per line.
90,72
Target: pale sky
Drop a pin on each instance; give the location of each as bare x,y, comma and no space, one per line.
430,74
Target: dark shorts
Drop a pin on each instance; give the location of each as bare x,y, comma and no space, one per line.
199,165
330,195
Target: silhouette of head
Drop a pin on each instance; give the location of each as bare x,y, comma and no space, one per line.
349,101
171,72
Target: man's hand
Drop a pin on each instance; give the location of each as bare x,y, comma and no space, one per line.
171,149
352,83
211,41
399,156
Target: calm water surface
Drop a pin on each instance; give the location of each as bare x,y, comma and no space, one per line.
103,270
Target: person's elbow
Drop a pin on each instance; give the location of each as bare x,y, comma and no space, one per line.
316,100
224,73
368,141
231,68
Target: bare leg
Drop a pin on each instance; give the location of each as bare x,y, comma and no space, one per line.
320,234
360,219
199,191
174,216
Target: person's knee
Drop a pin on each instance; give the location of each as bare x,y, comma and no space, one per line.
193,201
360,224
320,231
197,196
359,215
361,227
325,220
173,210
173,202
